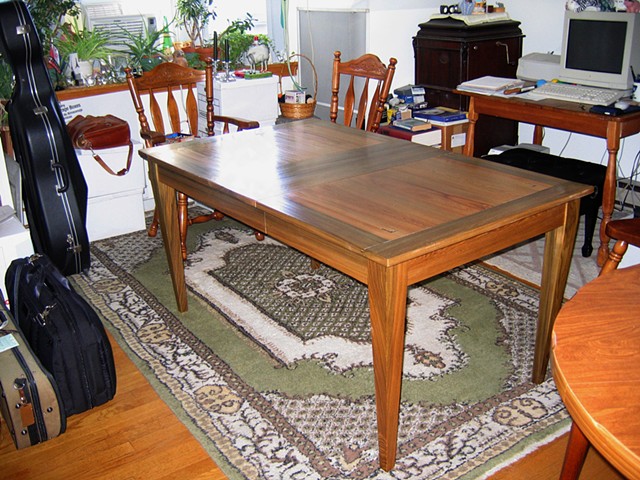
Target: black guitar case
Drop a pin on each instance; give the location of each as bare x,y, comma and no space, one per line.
53,186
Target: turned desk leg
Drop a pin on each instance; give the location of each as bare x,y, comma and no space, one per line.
471,131
609,192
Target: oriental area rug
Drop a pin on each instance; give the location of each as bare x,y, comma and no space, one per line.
271,367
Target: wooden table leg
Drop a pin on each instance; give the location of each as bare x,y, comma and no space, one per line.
469,145
538,134
575,455
165,198
388,305
609,191
558,251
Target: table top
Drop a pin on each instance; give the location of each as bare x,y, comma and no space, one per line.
596,365
382,197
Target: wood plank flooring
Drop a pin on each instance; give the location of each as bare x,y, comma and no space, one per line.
136,436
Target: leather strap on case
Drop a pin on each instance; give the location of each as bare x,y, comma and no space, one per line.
104,165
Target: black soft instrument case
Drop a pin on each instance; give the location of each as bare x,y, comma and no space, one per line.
64,331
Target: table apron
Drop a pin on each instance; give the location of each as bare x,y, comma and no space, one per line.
348,259
474,248
587,125
232,206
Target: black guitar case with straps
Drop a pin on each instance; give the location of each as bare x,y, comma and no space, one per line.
53,186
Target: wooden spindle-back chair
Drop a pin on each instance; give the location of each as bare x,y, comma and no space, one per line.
361,110
178,83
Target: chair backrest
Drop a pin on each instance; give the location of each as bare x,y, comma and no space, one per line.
178,83
627,232
368,68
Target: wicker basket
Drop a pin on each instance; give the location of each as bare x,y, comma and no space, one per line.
301,110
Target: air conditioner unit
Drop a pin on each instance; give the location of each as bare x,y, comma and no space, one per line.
108,18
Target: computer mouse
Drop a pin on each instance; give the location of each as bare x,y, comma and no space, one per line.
622,104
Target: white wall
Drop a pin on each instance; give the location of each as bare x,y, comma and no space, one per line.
392,26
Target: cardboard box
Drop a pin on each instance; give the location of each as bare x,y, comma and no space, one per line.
115,203
15,242
255,99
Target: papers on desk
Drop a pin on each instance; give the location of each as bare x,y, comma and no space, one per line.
475,19
489,85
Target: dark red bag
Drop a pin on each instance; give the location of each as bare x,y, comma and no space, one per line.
96,133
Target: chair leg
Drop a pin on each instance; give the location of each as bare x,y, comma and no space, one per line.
153,228
575,455
615,255
183,223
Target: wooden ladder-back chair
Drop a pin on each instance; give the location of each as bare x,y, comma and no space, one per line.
178,83
626,232
368,68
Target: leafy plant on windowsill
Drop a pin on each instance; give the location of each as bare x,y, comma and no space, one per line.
48,18
193,15
88,44
6,89
240,40
145,51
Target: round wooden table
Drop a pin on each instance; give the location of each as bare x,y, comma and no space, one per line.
596,366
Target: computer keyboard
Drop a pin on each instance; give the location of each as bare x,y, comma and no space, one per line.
577,93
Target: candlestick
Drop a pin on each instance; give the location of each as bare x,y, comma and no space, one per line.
215,46
226,50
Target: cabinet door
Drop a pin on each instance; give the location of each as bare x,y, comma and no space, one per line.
492,57
438,63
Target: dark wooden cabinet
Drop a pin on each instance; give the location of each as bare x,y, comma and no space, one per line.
449,52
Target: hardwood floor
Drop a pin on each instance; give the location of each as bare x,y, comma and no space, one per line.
136,436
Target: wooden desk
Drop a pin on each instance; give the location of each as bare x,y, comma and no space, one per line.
387,213
572,117
596,366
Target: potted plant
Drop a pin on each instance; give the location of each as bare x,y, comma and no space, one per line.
89,45
6,89
145,51
49,16
193,16
240,41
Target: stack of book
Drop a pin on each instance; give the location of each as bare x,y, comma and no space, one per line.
430,138
489,85
412,124
441,116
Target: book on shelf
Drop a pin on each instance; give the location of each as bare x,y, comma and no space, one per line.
431,138
489,85
448,123
440,114
412,124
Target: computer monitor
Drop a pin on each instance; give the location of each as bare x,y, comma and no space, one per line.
600,49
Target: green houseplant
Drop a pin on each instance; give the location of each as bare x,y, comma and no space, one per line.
240,41
49,16
193,16
6,88
88,44
145,51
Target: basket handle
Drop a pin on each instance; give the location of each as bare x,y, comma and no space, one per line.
313,69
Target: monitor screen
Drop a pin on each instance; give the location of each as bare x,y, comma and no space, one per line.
596,45
599,49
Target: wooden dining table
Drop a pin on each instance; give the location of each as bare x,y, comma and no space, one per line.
384,211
